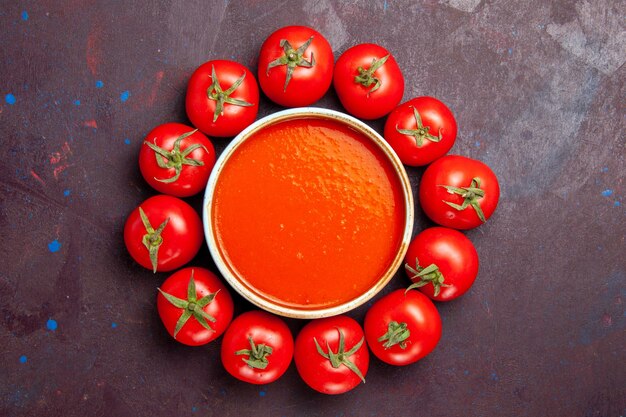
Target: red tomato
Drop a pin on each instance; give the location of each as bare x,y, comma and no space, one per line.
330,354
420,130
222,98
295,66
163,233
368,81
195,306
459,192
442,263
402,327
176,159
257,347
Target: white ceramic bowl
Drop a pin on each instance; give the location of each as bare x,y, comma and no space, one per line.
229,273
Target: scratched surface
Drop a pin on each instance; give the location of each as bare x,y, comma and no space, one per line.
538,91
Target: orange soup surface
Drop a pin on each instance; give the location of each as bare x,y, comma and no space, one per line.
308,213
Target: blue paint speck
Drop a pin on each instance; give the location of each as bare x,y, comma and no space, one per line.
77,102
67,193
24,15
113,325
607,193
99,84
510,51
604,169
124,96
51,324
194,409
385,6
23,359
477,144
127,141
494,376
10,99
466,372
617,204
262,393
54,246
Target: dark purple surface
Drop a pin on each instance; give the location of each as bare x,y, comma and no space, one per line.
538,91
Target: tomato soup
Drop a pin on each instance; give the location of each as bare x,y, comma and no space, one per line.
308,213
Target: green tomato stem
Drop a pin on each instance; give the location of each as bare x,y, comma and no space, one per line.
397,334
175,158
421,132
341,357
215,92
470,195
192,307
292,58
257,355
366,76
426,275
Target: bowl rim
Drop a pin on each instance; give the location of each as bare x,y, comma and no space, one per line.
303,113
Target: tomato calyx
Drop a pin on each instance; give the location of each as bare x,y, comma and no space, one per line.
152,240
366,76
175,158
215,92
292,58
257,355
421,132
191,306
426,275
397,334
470,196
341,357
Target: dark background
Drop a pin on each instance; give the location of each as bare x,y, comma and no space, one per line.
538,91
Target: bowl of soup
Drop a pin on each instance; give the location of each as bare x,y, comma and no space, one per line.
308,213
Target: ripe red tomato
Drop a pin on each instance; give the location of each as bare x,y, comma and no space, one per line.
459,192
163,233
295,66
402,327
195,306
442,263
176,159
257,347
330,354
368,81
222,98
420,130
